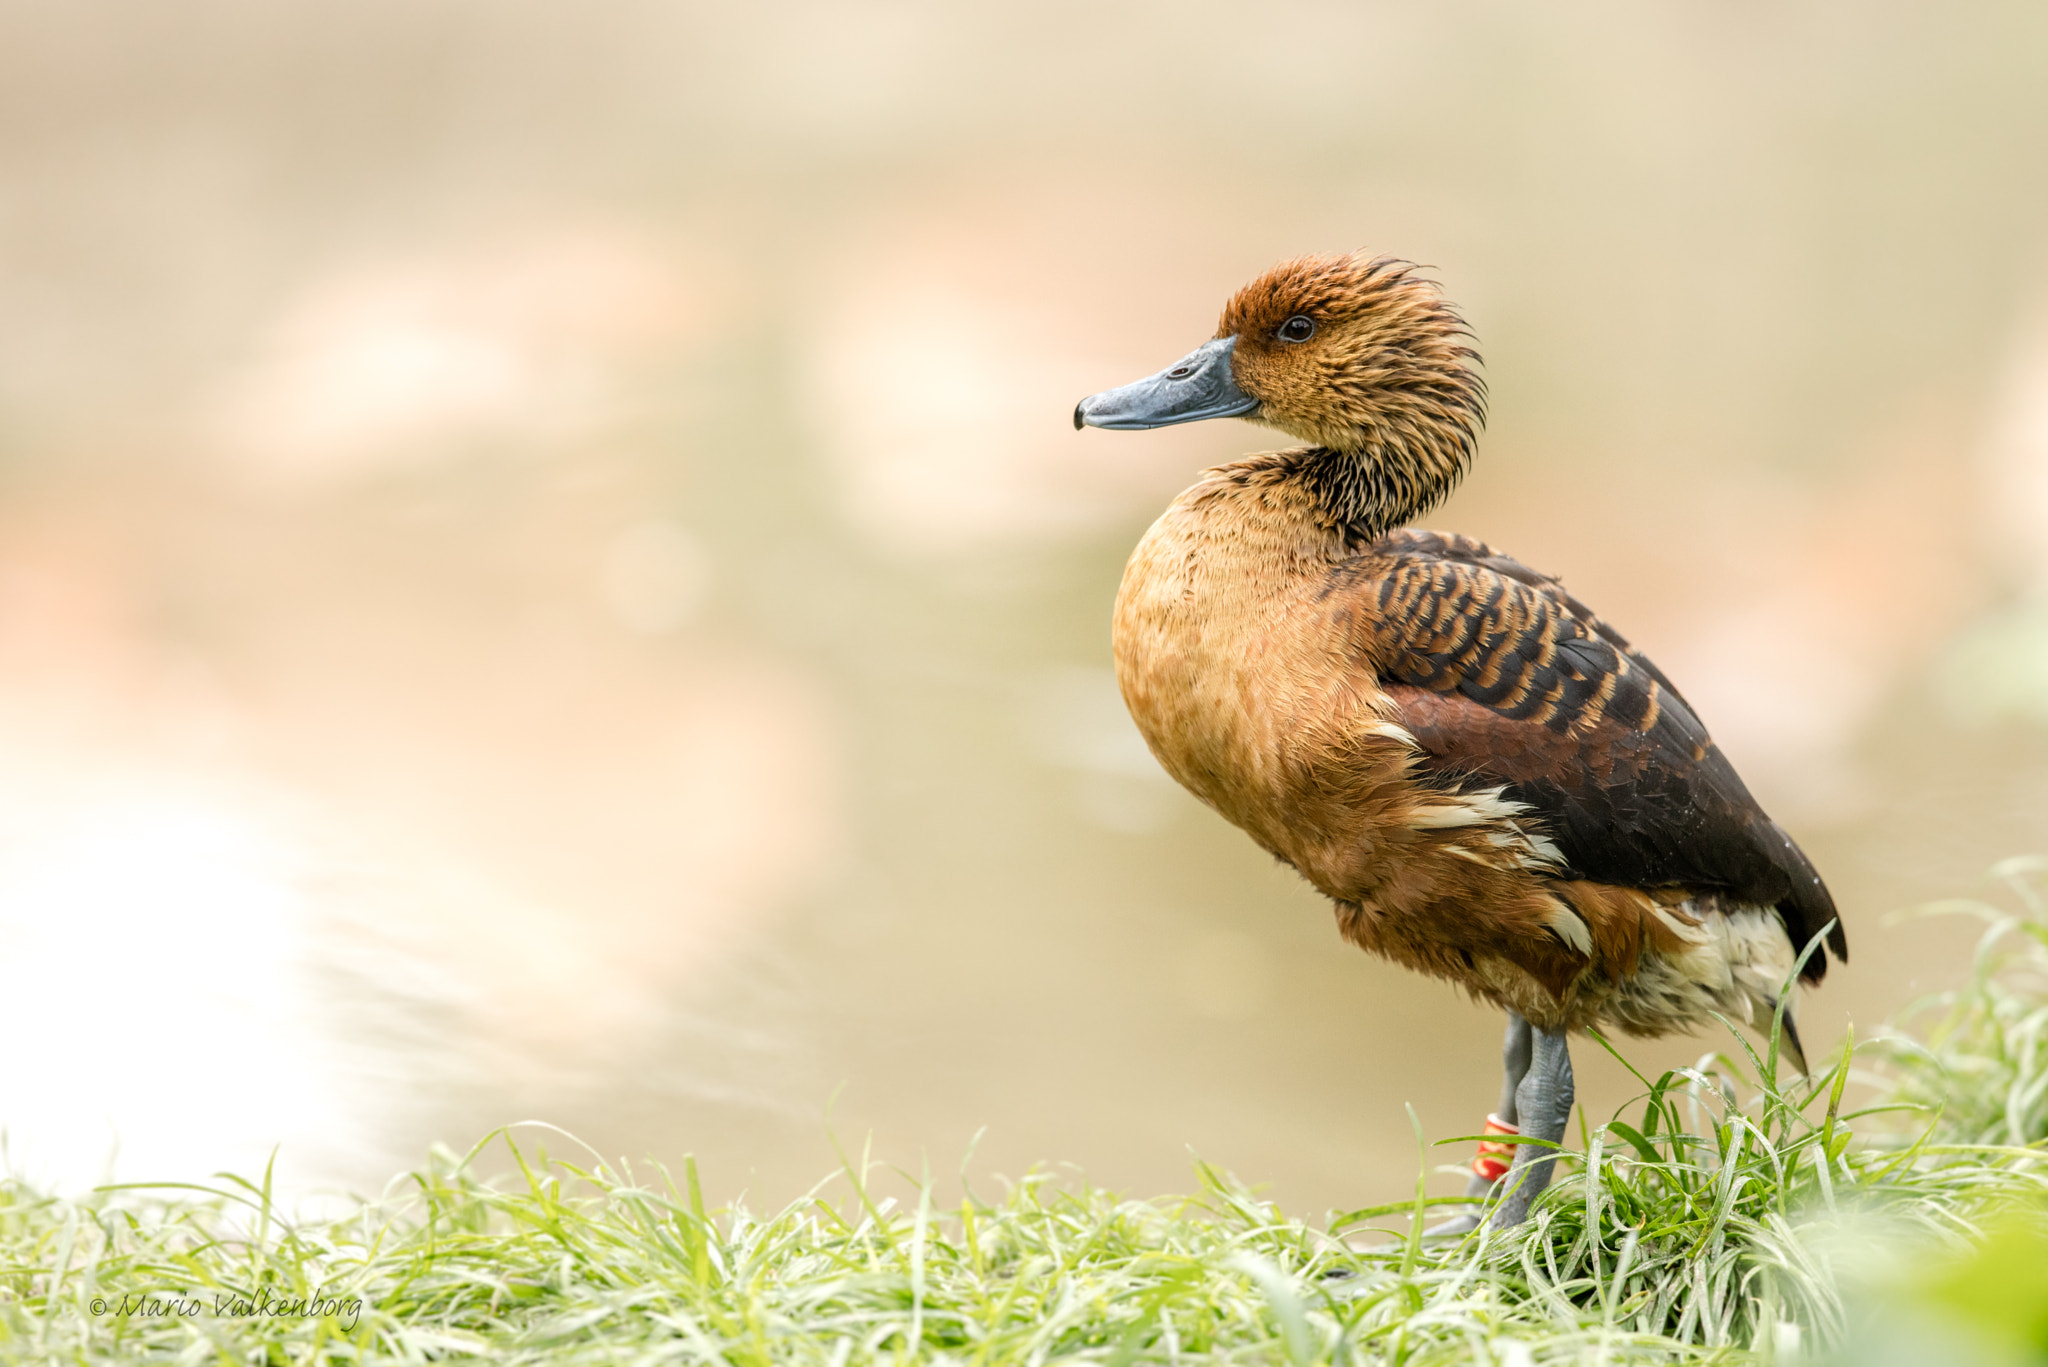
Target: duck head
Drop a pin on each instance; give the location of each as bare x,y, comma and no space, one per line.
1358,356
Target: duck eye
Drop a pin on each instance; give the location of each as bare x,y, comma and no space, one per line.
1299,328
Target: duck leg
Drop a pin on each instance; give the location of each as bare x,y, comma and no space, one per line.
1543,1105
1514,1064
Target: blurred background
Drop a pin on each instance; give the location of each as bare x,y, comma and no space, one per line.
545,573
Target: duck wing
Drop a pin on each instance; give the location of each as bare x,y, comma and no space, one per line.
1506,679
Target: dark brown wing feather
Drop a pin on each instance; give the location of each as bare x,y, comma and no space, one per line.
1505,678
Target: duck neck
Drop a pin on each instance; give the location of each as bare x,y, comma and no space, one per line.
1368,492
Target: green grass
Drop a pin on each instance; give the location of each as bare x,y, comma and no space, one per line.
1721,1217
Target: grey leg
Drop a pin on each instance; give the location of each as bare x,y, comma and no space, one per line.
1514,1064
1543,1104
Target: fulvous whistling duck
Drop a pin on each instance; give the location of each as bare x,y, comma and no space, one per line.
1487,780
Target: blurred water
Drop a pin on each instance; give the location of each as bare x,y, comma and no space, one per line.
544,570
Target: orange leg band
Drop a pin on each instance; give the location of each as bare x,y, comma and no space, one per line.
1495,1158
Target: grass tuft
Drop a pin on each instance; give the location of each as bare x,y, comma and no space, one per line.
1727,1214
